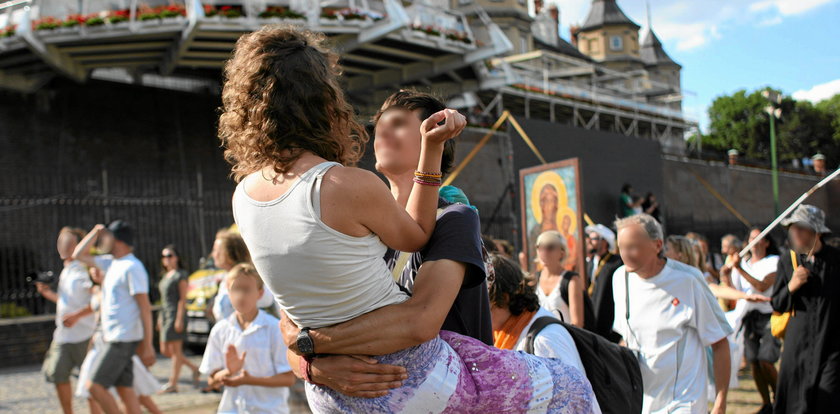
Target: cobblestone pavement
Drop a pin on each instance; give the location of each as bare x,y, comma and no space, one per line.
23,390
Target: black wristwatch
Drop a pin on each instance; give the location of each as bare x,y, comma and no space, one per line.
305,344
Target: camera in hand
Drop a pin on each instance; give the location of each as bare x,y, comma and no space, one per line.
46,277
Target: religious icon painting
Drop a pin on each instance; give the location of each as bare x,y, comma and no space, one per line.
550,199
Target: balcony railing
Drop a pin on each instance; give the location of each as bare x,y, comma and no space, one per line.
66,17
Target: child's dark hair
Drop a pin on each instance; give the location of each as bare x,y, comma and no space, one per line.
510,289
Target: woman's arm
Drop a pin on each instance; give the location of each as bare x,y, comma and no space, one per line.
576,313
729,293
182,305
760,285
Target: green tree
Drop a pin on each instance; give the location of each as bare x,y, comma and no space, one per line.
740,121
831,107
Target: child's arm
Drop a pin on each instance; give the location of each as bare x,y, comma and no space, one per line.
215,379
286,379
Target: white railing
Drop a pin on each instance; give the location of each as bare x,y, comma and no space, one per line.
592,94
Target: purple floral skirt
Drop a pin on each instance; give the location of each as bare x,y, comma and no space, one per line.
457,374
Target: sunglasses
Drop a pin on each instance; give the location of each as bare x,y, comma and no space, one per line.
548,247
166,256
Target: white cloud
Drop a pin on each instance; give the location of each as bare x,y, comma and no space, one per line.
691,24
770,21
818,92
787,7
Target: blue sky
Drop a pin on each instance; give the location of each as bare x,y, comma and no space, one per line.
726,45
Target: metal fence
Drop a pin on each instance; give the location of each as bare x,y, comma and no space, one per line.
163,207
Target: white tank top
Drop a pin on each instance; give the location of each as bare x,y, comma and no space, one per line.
318,275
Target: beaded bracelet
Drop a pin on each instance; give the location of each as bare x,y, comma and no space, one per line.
428,174
425,182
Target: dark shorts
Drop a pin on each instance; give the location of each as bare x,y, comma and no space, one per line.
62,358
759,343
113,366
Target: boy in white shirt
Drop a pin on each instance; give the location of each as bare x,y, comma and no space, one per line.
246,352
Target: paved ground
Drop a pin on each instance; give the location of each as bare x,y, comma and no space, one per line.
23,390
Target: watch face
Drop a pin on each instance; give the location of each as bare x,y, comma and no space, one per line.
304,343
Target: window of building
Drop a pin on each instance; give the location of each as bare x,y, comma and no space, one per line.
593,45
616,43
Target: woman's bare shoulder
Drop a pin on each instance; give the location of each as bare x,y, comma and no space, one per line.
353,179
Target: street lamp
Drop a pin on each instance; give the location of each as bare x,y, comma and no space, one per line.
775,99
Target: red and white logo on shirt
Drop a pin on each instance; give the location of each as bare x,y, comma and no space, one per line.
675,302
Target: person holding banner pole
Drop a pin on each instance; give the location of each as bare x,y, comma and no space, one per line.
807,285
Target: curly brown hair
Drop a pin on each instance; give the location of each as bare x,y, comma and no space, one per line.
282,97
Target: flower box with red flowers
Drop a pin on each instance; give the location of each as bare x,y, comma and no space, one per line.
210,10
329,14
352,14
276,12
172,11
457,36
8,31
427,30
118,16
46,23
231,12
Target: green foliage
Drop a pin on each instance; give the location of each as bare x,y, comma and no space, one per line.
740,121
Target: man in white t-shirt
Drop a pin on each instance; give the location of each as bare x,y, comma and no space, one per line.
74,319
667,315
126,316
756,274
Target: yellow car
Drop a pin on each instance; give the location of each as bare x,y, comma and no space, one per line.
203,285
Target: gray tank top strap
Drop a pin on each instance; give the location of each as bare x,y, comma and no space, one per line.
313,201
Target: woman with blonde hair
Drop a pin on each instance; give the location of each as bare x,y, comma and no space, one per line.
317,230
559,290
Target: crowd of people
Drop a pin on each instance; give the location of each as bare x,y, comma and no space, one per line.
390,299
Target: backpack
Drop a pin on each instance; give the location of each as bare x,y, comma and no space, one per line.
589,322
612,370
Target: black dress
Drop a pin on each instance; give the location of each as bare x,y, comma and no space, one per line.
602,296
809,377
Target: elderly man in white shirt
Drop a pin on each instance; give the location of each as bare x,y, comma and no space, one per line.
667,315
74,319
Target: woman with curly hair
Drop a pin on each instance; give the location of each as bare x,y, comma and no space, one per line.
317,230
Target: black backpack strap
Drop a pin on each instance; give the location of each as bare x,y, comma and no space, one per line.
535,329
564,285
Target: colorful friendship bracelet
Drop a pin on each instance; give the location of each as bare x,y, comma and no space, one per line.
425,182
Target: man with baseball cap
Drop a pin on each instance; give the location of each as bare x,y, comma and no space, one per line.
126,315
601,262
808,286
